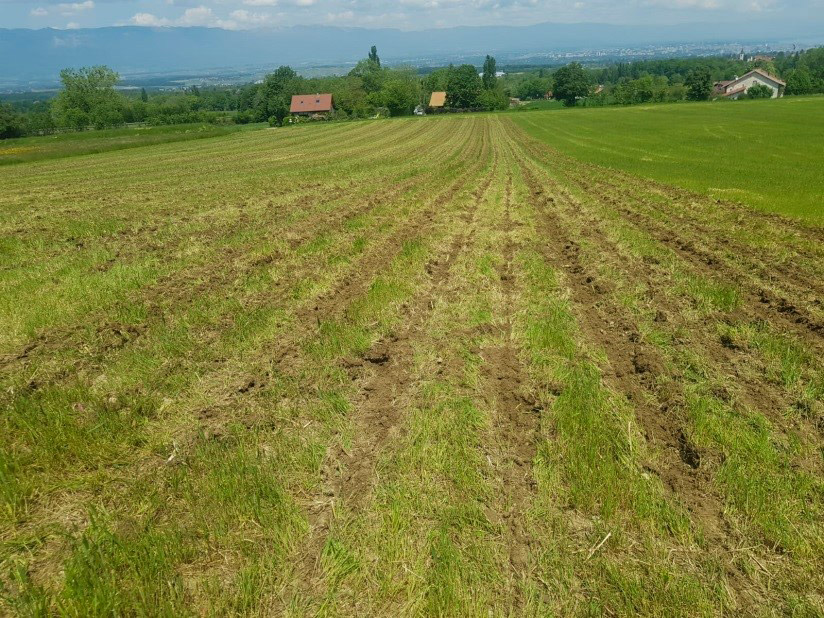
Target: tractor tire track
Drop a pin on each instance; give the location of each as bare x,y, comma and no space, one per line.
758,303
383,376
515,430
634,368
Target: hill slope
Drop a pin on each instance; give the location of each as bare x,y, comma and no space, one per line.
404,367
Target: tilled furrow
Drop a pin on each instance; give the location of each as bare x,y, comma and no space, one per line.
634,369
384,376
516,423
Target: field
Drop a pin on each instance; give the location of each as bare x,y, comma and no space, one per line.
27,149
766,154
410,367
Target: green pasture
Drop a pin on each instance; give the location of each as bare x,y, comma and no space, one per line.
767,154
90,142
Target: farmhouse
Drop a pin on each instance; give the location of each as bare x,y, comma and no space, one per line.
734,88
310,104
437,100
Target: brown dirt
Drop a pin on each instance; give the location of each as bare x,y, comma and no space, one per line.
516,421
384,375
635,368
745,370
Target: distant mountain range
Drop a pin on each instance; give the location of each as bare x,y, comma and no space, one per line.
35,55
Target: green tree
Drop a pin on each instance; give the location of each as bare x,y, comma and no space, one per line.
490,78
493,99
400,94
143,95
370,73
759,91
11,123
437,81
88,97
373,56
699,84
275,94
800,81
464,88
571,83
532,88
280,110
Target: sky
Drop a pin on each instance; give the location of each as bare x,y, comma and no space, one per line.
403,14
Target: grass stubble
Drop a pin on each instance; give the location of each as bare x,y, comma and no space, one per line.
334,372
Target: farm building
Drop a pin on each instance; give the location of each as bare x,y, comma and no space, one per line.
437,100
310,104
734,88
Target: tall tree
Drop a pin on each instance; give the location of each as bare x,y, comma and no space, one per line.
370,72
401,92
800,82
88,97
490,73
275,93
464,88
11,123
373,56
570,84
699,84
143,96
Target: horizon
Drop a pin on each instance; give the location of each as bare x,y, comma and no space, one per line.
406,15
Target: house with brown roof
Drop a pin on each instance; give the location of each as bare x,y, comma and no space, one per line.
734,88
437,100
311,104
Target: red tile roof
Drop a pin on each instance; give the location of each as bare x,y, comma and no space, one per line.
311,103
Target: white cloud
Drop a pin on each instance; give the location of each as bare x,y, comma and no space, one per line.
339,17
38,12
195,16
738,6
198,16
409,14
147,19
282,2
248,18
684,4
68,8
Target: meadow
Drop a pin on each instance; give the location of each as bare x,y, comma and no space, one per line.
766,154
416,367
27,149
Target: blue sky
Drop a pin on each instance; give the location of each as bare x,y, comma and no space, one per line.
405,14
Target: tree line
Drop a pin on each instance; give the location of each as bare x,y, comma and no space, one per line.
89,98
674,79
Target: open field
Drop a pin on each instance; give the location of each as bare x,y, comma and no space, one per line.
27,149
766,154
415,367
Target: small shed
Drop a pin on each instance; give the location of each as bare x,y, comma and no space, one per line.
438,99
308,104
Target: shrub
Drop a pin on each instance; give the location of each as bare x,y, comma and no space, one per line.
759,91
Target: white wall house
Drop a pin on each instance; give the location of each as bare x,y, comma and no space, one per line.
735,88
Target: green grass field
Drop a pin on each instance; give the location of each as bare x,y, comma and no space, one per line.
766,154
28,149
414,367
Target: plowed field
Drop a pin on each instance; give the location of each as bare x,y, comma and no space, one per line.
415,367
